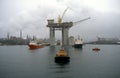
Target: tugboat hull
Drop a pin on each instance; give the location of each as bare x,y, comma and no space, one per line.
35,46
78,46
61,59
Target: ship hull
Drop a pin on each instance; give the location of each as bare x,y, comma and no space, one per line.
62,59
35,46
77,45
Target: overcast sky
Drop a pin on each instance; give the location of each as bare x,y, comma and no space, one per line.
31,16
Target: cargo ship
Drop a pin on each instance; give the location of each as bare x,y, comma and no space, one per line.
78,43
34,45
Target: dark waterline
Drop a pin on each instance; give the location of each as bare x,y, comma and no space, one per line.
20,62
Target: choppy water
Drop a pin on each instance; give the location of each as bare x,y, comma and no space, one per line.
20,62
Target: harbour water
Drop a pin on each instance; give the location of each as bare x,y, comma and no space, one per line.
20,62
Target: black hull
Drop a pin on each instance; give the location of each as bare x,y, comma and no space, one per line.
62,59
78,45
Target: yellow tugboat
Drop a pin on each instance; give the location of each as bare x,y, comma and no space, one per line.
62,57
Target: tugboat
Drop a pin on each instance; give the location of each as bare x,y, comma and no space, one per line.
34,45
62,57
78,43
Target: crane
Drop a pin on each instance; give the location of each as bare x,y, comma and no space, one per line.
74,23
60,18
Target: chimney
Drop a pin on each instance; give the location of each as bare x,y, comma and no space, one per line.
21,34
8,36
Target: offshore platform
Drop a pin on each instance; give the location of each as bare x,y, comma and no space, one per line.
63,26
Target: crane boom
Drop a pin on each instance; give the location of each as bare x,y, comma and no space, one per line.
60,18
64,12
81,20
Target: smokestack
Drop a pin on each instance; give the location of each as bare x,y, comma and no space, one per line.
21,34
8,36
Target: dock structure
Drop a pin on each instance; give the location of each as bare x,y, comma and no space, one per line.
63,27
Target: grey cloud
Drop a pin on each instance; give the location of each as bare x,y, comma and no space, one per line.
33,22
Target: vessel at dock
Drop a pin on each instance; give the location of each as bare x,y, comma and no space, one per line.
34,45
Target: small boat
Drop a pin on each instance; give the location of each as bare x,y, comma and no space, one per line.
62,57
34,45
78,43
96,49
